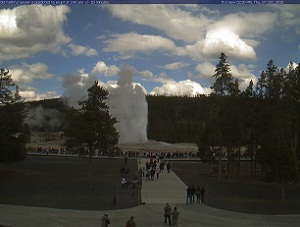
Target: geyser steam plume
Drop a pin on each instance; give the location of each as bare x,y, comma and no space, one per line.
127,102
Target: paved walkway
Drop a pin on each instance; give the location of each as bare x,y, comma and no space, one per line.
168,188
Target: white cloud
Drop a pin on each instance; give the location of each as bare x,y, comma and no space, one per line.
235,34
77,50
146,74
289,15
171,19
26,73
30,94
243,73
291,65
205,70
130,43
29,29
185,87
223,40
175,66
208,35
102,68
247,24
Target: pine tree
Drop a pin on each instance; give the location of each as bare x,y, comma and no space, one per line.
92,127
12,115
224,81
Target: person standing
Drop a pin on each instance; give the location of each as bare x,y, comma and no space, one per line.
202,194
131,222
198,193
189,195
193,191
168,210
162,166
175,215
169,166
152,173
105,220
157,172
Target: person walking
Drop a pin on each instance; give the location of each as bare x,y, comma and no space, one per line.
168,210
130,222
105,220
175,215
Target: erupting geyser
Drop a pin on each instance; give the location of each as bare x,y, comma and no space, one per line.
127,102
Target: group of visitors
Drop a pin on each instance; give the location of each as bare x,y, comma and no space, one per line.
153,168
191,192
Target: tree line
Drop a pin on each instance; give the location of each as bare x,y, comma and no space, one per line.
264,119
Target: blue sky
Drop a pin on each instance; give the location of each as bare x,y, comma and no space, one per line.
172,49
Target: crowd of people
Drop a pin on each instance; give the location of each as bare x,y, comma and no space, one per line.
118,153
153,168
191,192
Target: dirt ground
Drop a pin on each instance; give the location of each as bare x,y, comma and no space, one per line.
62,183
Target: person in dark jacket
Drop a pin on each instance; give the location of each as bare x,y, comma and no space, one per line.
202,194
131,222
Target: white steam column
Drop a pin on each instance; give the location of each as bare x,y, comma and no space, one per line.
127,102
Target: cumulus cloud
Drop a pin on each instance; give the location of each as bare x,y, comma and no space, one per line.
101,68
29,29
223,40
132,42
77,50
26,73
185,87
175,66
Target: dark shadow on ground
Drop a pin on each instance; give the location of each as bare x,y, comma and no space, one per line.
62,183
244,195
59,182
